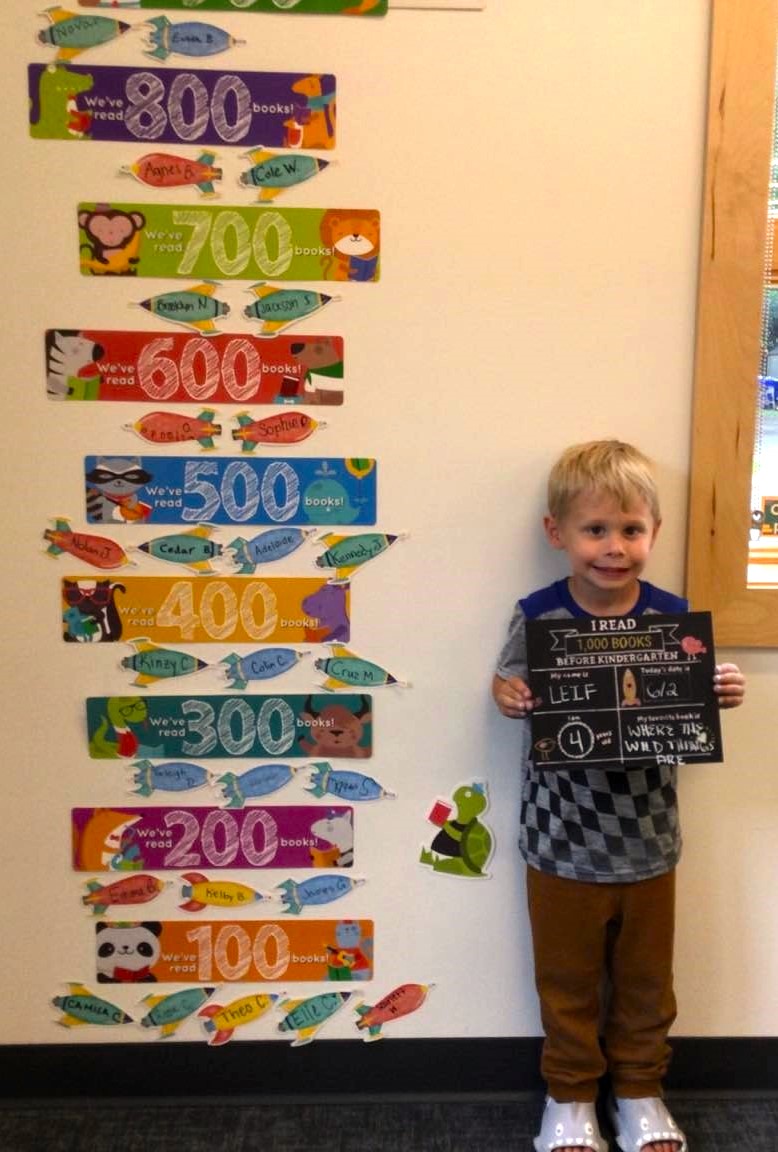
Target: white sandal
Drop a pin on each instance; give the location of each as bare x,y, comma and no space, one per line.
645,1121
569,1126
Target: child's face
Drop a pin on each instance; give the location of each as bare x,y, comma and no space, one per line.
607,546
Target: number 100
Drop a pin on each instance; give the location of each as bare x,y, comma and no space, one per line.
270,938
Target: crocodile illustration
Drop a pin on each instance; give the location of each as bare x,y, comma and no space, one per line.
55,114
116,737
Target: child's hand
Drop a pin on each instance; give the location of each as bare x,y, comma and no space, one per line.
513,697
729,684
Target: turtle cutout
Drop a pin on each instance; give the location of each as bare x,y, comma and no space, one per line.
464,844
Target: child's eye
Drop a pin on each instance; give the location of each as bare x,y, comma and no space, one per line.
634,530
594,529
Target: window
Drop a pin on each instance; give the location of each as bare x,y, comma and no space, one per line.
733,334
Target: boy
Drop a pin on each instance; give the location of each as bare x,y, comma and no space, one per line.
601,844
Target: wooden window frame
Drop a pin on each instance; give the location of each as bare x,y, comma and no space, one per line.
732,271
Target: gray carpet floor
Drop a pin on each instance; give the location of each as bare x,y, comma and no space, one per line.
737,1123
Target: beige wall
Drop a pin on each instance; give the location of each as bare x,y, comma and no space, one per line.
539,171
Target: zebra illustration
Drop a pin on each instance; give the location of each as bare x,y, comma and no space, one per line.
71,369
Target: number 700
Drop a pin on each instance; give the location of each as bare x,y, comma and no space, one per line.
233,243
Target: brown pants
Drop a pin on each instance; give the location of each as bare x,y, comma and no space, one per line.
582,933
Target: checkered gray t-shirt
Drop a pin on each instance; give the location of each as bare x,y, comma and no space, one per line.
601,825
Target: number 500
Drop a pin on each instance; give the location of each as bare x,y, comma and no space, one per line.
241,473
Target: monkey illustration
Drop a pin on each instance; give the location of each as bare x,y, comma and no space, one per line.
112,240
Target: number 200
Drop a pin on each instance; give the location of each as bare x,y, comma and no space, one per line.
235,835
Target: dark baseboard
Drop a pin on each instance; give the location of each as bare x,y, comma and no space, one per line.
420,1068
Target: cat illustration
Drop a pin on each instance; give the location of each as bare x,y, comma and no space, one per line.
92,603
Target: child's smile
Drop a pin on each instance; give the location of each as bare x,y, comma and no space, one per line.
607,546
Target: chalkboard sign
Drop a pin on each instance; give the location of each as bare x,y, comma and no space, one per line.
629,690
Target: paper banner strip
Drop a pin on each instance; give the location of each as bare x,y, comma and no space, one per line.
180,727
235,243
253,951
174,106
298,7
234,610
219,490
146,367
123,839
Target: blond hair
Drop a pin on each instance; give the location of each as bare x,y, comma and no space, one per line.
607,467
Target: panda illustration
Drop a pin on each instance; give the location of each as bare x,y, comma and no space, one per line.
127,952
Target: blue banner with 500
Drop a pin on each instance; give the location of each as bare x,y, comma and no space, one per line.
221,490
